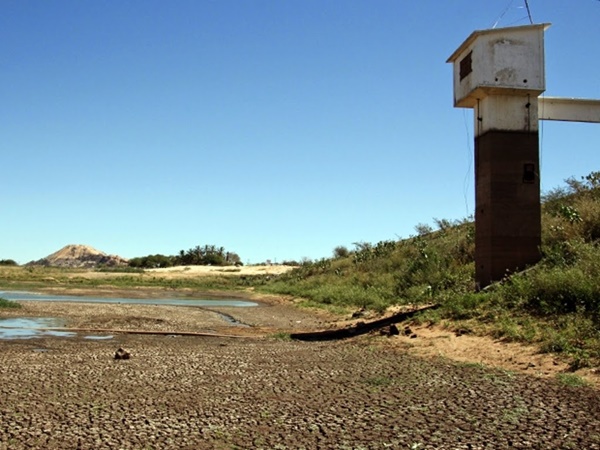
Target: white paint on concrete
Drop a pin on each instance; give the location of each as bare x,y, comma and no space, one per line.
506,113
503,61
569,109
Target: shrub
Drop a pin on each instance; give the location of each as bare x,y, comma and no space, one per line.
4,303
571,380
560,291
461,307
8,262
341,252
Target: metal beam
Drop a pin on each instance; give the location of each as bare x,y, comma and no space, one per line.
569,109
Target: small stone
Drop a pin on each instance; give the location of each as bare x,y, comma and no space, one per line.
122,354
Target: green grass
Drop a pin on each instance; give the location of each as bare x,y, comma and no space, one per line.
281,336
4,303
32,278
514,415
571,379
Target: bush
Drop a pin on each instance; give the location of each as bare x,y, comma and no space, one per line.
8,262
553,291
4,303
461,307
341,252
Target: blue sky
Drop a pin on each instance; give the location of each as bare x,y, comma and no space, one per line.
278,129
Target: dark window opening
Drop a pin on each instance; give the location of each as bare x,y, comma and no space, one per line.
528,173
466,66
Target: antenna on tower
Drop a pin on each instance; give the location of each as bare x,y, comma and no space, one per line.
528,12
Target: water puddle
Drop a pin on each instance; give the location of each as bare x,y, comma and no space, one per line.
32,296
35,327
32,327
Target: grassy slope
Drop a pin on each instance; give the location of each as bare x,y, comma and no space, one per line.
555,304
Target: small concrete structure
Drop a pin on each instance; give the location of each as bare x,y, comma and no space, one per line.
500,74
499,61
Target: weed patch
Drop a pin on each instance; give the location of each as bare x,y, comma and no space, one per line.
570,379
4,303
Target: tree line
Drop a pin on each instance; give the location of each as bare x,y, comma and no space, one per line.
205,255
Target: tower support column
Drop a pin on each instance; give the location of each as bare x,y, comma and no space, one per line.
507,186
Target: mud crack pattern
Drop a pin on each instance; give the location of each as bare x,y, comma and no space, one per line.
209,393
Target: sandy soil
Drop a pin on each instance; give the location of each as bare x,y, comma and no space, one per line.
436,341
188,272
193,271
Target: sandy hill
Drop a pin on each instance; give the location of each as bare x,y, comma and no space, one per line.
79,256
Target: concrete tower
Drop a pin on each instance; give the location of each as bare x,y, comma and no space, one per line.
500,74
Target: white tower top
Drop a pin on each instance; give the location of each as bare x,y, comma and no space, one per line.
499,61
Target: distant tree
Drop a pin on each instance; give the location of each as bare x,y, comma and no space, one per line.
362,246
206,255
233,258
8,262
341,252
290,262
443,224
151,262
213,259
422,229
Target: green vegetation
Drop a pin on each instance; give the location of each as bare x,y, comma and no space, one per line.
125,278
422,269
199,255
8,262
555,304
281,336
570,379
4,303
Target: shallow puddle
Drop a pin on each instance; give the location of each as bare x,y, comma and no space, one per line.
99,338
32,327
32,296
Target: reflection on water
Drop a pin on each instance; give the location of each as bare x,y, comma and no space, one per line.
25,296
26,328
99,338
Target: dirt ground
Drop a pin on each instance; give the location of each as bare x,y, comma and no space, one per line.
211,270
196,271
436,341
259,390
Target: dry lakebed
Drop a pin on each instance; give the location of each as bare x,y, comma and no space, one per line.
241,383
